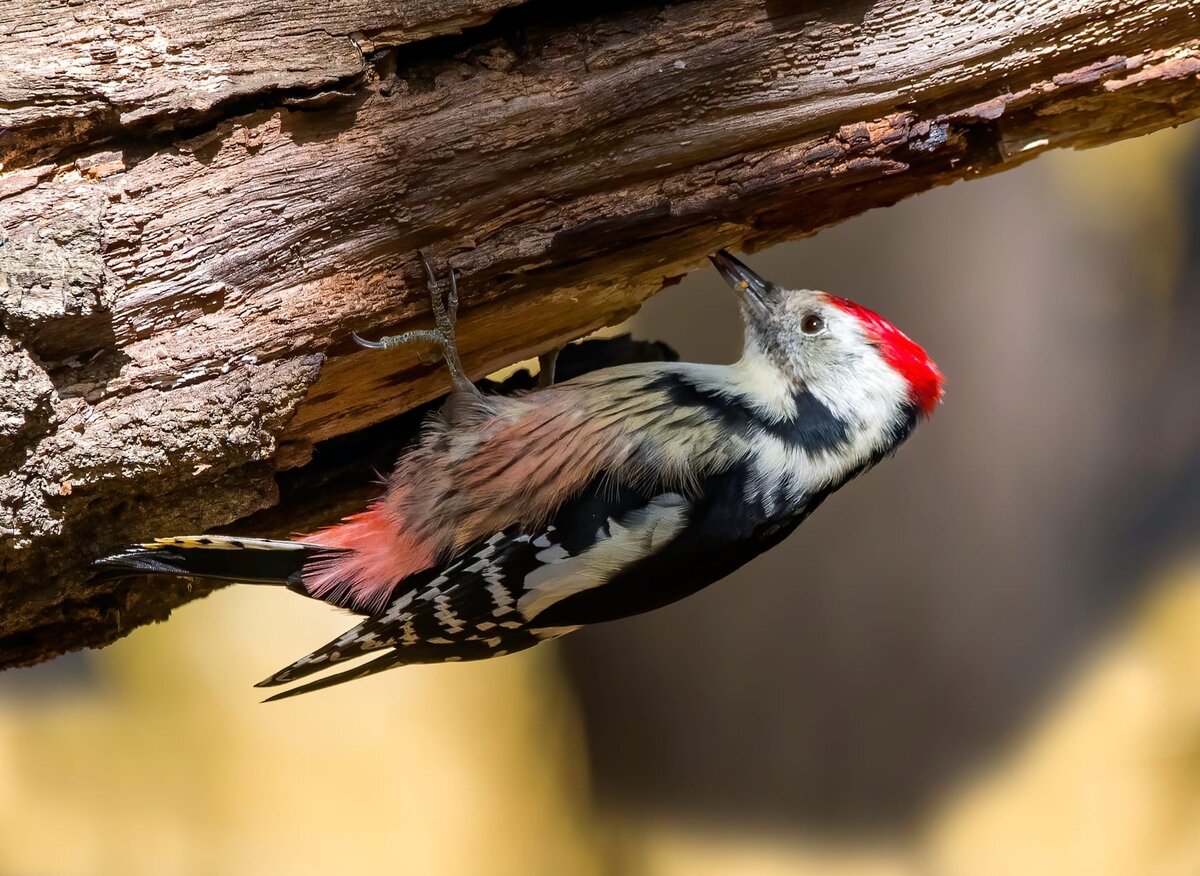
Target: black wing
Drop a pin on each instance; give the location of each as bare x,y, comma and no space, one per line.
726,528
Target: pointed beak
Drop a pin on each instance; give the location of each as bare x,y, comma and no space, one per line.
743,280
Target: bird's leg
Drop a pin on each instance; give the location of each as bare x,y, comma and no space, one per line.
546,363
445,316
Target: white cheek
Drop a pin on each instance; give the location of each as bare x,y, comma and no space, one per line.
866,393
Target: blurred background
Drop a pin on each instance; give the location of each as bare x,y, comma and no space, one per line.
983,658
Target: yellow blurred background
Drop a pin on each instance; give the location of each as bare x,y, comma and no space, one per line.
983,658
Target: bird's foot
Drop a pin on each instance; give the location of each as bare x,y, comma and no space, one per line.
445,317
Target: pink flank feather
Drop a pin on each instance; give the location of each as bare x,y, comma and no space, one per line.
369,554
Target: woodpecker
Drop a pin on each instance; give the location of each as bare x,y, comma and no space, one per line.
516,519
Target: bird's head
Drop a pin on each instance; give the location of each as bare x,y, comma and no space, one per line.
844,353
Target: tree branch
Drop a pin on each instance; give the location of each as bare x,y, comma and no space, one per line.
195,216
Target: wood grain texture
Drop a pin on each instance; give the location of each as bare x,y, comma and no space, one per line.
76,71
177,296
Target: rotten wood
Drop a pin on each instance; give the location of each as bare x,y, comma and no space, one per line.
197,207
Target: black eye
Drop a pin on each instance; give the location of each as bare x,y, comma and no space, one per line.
811,324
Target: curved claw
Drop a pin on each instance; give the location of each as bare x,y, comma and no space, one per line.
370,345
430,277
445,310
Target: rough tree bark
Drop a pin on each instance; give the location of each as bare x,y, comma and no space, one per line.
199,204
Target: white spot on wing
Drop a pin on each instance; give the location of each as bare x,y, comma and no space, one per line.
553,554
446,615
397,609
637,535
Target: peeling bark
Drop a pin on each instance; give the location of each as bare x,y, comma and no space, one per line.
198,206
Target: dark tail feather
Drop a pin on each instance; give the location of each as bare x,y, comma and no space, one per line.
348,646
379,664
248,560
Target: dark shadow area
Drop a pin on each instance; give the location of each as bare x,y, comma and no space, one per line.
81,352
319,117
832,11
1166,505
68,675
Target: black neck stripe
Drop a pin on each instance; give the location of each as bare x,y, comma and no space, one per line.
811,426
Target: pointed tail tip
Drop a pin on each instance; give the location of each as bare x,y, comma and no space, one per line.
384,661
109,562
293,691
136,559
274,680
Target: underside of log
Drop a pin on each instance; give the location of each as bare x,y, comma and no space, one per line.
198,205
